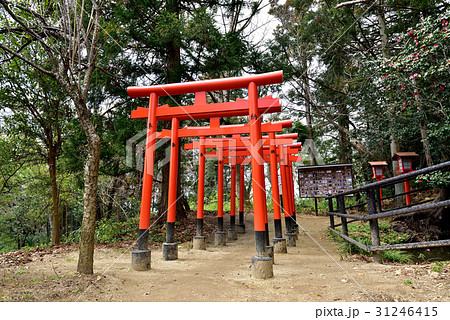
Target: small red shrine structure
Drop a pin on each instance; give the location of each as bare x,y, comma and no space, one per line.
405,160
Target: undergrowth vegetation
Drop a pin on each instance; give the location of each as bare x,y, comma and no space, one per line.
360,231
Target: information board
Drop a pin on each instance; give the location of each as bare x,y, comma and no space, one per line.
320,181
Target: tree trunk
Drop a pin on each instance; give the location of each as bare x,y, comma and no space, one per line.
424,134
394,145
173,75
55,197
312,152
344,122
426,144
86,256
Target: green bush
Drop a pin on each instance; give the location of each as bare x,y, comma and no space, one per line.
109,231
396,256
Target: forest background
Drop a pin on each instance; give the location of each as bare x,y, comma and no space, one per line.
362,80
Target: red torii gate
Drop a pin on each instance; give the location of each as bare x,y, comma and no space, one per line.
288,189
216,129
285,157
141,258
225,146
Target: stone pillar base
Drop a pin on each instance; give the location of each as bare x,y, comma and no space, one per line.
141,260
270,253
262,267
199,243
279,245
291,239
232,234
170,251
240,228
221,238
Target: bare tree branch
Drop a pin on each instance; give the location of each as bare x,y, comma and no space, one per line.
351,3
31,63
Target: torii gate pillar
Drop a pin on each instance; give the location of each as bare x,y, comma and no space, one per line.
262,264
240,227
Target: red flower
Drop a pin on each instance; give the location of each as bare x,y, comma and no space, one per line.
416,93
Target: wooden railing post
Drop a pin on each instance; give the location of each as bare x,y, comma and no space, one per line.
379,201
374,231
341,202
330,209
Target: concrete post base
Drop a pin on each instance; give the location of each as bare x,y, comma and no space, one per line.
279,245
221,238
232,234
170,251
262,267
199,243
141,260
291,239
270,253
240,228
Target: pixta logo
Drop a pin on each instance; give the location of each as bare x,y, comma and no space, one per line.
135,147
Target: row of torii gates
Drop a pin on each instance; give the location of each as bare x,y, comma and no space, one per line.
235,150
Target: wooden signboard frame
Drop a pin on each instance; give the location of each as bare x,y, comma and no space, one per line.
322,180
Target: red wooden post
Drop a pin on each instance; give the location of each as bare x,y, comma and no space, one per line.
233,191
220,236
199,241
141,258
201,187
147,179
407,191
275,188
232,234
292,195
286,202
241,224
259,195
170,247
290,235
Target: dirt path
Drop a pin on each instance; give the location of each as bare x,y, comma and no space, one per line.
312,271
